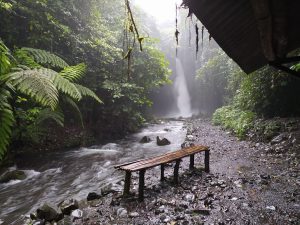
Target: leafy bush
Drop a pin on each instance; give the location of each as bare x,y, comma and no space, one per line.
232,118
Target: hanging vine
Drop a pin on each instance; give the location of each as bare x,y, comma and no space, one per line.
197,39
176,32
131,33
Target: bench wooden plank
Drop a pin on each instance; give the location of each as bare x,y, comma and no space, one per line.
162,159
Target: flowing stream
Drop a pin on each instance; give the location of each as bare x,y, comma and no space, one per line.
55,176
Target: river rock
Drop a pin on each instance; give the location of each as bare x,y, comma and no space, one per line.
189,197
12,175
121,212
92,196
48,213
162,142
77,214
145,139
68,206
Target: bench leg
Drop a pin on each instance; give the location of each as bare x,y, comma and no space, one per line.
176,171
127,183
206,161
162,172
141,184
192,161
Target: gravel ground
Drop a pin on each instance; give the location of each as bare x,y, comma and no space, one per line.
247,184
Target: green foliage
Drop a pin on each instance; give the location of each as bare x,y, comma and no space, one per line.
234,119
45,58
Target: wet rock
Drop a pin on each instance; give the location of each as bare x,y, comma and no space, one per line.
39,222
134,214
164,218
162,142
189,197
12,175
279,138
190,137
67,220
145,139
271,207
68,206
32,216
77,214
48,213
92,196
107,189
121,212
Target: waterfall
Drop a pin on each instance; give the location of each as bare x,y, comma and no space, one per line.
183,96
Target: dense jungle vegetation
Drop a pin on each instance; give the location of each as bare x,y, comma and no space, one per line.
63,77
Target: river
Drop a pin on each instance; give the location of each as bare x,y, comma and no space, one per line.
55,176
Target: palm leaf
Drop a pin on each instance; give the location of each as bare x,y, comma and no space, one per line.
46,58
84,91
37,84
73,73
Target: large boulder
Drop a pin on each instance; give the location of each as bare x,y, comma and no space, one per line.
12,175
68,206
145,139
48,213
162,142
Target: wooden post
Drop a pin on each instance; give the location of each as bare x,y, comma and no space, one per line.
162,172
127,183
141,184
176,170
192,160
206,161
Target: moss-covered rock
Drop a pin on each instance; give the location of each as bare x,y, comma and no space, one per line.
12,175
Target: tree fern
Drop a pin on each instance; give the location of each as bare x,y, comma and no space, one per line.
36,83
84,91
6,120
47,114
46,58
73,73
25,59
65,86
73,104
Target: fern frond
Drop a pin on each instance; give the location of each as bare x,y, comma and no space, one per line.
73,73
73,104
36,83
65,86
7,120
46,58
84,91
25,59
48,114
5,56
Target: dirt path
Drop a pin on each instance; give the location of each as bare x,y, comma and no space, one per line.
245,186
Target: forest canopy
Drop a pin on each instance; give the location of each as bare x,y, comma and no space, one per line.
53,53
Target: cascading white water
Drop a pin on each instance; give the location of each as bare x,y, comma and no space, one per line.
183,96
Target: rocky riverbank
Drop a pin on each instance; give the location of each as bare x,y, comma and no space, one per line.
249,183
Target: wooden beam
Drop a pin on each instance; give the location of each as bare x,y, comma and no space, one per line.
162,172
206,161
141,184
192,161
127,183
176,171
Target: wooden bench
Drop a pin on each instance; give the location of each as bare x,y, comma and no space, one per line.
161,160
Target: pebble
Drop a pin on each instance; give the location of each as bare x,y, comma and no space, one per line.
271,207
189,197
134,214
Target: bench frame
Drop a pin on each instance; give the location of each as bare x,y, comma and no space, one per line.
162,166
